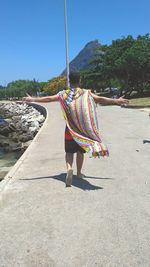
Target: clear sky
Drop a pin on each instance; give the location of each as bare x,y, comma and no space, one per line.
32,38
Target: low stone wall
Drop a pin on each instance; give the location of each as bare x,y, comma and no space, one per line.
39,108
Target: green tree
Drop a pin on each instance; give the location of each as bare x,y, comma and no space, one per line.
125,62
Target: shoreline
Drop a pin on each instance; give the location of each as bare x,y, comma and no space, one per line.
8,177
12,157
7,161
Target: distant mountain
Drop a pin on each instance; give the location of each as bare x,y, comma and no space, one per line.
81,61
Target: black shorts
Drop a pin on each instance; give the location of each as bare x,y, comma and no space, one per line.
72,147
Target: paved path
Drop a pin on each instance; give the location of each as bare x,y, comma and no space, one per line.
103,220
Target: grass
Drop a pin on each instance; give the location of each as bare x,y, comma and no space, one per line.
145,101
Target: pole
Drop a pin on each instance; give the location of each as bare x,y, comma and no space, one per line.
66,35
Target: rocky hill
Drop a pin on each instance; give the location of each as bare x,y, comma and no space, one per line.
81,61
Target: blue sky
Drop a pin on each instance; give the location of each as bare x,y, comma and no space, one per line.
32,39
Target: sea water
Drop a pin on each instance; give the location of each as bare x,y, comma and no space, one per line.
7,160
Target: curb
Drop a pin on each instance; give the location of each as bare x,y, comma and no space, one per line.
135,106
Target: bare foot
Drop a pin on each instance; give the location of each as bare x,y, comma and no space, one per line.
69,177
81,176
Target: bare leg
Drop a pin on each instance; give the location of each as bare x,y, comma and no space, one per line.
79,162
69,162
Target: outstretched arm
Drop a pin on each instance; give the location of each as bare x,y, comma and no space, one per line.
43,99
110,101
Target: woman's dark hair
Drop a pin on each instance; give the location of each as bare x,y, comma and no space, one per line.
74,77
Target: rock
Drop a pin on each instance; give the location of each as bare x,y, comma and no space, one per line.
35,124
14,136
14,146
3,122
8,120
26,144
33,130
9,145
25,137
12,126
15,119
2,137
4,141
41,118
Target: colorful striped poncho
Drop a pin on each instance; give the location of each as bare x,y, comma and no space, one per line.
79,111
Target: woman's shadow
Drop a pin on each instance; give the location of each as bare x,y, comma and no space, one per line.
80,183
146,141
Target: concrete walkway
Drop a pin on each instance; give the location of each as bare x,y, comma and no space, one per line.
103,220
